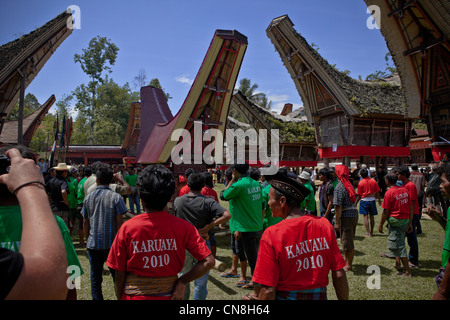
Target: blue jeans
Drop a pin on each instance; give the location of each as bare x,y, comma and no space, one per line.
133,199
97,259
200,284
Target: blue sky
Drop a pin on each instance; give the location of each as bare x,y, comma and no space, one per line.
169,39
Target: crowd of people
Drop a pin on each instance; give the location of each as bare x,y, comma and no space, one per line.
165,239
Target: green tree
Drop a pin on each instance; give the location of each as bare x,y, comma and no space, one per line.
63,105
388,71
30,105
249,90
45,133
95,60
111,113
155,83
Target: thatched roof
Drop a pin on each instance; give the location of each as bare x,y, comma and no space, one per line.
356,97
28,53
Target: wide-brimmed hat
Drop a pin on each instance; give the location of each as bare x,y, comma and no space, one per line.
62,166
305,175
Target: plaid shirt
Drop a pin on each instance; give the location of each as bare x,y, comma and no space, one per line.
341,198
101,207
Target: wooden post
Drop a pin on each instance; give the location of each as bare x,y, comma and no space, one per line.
23,73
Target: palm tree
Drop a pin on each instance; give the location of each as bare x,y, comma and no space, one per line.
248,90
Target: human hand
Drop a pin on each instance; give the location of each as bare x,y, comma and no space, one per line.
237,235
22,171
178,291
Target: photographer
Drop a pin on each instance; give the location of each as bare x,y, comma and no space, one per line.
38,270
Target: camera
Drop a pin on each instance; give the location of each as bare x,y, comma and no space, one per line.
5,162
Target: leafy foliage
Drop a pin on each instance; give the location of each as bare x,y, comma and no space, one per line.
293,131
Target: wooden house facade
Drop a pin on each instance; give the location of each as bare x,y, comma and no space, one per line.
417,34
352,119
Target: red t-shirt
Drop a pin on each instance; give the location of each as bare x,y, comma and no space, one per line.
367,186
412,190
210,193
154,245
397,200
184,190
298,254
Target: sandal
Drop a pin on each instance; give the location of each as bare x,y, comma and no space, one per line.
241,283
385,255
249,297
248,286
229,275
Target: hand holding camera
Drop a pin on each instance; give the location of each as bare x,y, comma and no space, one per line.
21,172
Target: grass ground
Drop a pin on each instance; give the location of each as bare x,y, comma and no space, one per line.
392,287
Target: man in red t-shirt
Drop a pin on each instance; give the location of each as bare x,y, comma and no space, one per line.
403,175
149,250
185,189
397,211
296,255
368,191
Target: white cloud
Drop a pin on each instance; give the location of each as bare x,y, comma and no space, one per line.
278,98
184,79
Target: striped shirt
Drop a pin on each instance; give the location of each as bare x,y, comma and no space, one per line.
101,208
341,198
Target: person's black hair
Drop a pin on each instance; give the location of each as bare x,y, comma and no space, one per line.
104,174
87,171
391,177
415,166
207,177
364,173
325,172
242,168
95,165
156,185
404,171
188,172
196,181
444,168
254,173
229,173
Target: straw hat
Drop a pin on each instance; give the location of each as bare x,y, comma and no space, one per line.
62,166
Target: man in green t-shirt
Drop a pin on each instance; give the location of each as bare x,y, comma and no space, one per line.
269,220
80,198
309,203
133,197
72,182
245,198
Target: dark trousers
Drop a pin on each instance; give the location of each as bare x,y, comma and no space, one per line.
412,241
97,259
250,242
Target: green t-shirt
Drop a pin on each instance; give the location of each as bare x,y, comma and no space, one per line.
11,234
446,248
311,198
245,205
80,191
269,220
131,179
72,195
